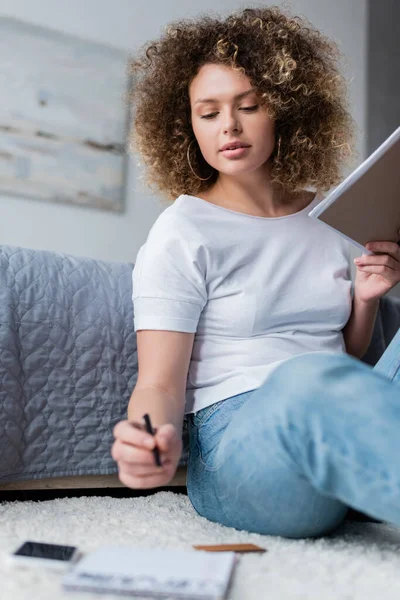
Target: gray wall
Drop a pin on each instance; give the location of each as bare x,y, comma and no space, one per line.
127,24
383,71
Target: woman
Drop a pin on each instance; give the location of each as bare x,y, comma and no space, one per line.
245,314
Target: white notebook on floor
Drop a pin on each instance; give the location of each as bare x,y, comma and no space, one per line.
153,572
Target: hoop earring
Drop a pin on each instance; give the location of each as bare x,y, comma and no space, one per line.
278,154
191,168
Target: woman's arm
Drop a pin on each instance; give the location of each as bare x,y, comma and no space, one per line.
163,361
376,275
358,330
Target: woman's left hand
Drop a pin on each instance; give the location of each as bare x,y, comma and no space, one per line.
377,274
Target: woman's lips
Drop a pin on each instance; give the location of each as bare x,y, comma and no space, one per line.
236,152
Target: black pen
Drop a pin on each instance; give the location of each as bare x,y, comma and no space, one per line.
149,428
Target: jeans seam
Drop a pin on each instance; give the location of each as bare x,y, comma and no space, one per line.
387,370
206,467
216,405
394,373
198,428
209,413
390,370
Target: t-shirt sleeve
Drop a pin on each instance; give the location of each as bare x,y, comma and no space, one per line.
169,289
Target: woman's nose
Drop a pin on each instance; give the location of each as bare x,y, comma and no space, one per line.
231,124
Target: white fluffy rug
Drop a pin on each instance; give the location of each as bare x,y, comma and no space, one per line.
361,561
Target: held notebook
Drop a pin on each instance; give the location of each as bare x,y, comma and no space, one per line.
154,572
365,207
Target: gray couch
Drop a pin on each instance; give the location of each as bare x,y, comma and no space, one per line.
68,362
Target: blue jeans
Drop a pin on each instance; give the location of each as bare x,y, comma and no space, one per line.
289,458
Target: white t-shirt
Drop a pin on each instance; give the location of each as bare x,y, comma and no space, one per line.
255,290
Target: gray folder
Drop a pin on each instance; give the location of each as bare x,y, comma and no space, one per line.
366,206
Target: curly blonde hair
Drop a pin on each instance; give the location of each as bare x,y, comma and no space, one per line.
292,66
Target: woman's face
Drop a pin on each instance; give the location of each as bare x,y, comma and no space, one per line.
223,111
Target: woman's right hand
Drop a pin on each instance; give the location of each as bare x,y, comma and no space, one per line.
133,452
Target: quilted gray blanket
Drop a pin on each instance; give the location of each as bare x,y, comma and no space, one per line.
68,361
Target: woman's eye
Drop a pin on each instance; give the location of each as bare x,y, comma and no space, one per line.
249,107
246,108
210,116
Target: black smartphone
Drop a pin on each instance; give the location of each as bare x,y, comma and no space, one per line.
53,556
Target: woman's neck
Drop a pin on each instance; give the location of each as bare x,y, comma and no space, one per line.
267,202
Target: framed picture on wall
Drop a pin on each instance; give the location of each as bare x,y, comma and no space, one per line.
63,117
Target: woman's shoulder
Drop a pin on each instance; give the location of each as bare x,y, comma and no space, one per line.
175,223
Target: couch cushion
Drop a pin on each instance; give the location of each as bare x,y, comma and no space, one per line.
68,362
